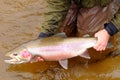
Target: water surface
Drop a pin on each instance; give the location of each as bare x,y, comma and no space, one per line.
20,21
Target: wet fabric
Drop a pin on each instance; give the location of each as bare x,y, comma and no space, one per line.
88,20
56,11
91,20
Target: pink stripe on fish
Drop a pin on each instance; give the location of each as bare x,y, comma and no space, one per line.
59,47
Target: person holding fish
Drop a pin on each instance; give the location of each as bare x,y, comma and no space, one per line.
84,18
98,18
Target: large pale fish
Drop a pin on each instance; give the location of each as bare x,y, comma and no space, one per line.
55,48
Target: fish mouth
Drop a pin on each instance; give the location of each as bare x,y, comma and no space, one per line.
12,61
15,61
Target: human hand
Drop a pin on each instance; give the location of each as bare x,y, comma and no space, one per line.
102,42
36,59
40,59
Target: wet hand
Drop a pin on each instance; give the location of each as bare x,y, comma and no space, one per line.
36,59
103,38
40,59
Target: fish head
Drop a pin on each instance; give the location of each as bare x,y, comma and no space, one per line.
18,56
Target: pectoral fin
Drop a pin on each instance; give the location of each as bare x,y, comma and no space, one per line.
85,54
64,63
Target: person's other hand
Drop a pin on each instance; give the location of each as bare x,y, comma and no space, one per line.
36,59
40,59
102,42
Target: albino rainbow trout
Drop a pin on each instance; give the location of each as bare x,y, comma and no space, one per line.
55,48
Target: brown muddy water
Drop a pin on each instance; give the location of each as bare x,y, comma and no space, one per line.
20,21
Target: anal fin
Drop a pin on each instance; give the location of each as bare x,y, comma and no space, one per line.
85,54
64,63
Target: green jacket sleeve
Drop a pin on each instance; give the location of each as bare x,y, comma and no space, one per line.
53,15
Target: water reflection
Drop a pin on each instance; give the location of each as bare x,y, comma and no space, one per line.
107,69
32,67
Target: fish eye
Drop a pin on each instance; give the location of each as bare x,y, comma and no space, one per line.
15,54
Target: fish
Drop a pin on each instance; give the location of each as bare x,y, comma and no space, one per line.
55,48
